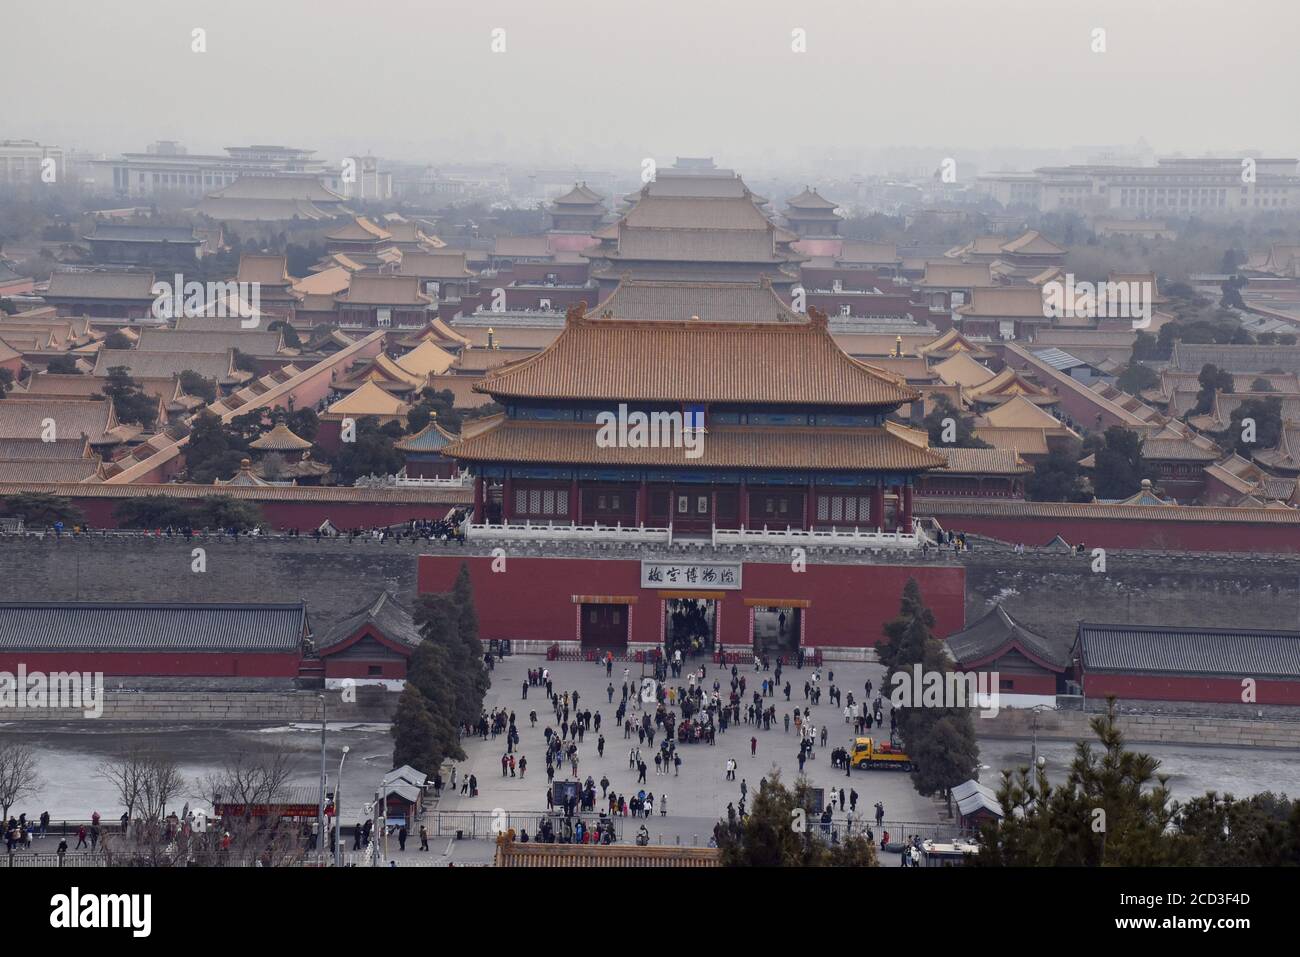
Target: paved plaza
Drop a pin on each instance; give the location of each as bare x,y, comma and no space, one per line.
697,798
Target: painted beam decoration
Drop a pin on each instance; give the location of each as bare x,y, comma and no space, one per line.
712,575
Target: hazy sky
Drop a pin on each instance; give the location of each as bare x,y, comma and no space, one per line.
603,84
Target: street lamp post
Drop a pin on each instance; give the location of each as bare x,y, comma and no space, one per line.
320,806
338,811
1033,754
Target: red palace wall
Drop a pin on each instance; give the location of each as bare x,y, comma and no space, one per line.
304,516
353,668
244,665
1224,690
1127,533
532,600
1024,684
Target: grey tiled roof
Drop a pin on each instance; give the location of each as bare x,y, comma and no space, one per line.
385,613
711,302
126,232
26,419
101,285
1188,650
250,343
164,365
1238,359
997,629
132,626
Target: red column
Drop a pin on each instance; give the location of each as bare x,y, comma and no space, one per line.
575,502
478,499
907,508
878,507
744,503
641,503
506,485
807,505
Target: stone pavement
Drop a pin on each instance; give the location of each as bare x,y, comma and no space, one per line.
697,798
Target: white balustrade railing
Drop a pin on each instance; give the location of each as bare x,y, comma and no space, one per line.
459,481
815,538
549,531
832,537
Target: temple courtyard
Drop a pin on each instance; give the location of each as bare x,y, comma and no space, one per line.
698,796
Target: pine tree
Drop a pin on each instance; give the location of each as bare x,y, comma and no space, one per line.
939,740
416,733
467,626
445,680
1113,810
781,831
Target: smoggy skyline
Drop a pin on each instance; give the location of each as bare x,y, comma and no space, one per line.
590,84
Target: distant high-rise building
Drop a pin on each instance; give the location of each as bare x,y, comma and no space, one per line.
22,162
1174,186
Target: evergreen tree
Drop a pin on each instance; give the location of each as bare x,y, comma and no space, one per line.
1118,469
940,740
415,733
1112,810
467,630
963,437
63,365
38,508
212,451
781,831
130,401
1266,414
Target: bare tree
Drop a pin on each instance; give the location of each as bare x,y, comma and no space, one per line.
18,776
162,781
146,782
250,778
126,774
257,842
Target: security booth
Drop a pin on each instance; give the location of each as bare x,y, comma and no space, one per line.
977,804
402,803
404,789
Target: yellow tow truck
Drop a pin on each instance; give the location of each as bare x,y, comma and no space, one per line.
866,754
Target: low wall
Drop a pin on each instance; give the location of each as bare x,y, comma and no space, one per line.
233,707
1146,729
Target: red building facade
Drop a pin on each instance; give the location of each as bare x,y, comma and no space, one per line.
538,602
767,428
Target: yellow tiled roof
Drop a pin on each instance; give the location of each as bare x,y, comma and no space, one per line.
369,399
512,440
754,363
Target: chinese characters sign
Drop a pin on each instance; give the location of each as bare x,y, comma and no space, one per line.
711,575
